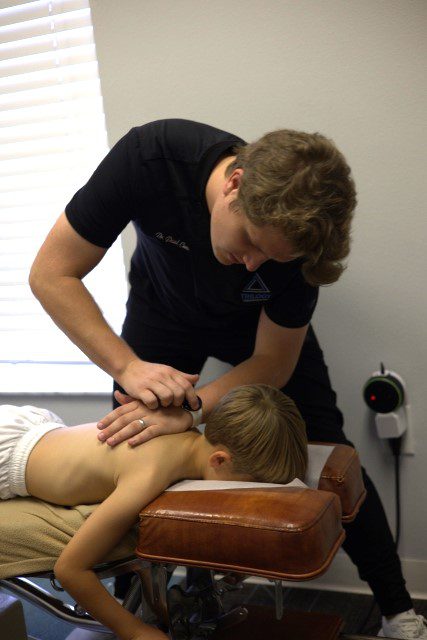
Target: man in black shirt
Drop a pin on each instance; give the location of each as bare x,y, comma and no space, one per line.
233,241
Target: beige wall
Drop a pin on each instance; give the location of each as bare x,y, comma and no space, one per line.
355,72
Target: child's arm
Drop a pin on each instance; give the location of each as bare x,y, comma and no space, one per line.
93,541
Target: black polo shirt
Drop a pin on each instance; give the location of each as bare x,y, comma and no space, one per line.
156,176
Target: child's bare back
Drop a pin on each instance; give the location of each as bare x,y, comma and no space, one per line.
70,466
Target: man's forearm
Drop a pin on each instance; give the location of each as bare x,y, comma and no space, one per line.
256,369
75,312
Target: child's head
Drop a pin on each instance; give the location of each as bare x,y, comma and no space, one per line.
263,431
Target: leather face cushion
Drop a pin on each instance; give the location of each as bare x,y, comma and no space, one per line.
284,533
341,473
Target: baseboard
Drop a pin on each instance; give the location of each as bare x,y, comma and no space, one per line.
342,576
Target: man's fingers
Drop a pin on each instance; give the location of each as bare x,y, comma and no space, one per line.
149,399
124,433
180,386
157,385
187,392
192,398
115,426
171,390
162,390
147,434
193,401
122,398
122,411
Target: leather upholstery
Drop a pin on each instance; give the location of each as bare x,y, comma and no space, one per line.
282,533
342,475
288,533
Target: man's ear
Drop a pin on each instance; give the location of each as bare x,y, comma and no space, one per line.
232,183
218,458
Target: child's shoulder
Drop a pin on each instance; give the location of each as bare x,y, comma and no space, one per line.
164,454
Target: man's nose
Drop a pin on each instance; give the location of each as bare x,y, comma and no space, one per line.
253,261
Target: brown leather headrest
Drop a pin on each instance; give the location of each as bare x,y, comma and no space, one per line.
284,533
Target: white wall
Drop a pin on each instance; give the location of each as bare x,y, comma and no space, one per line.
355,72
73,409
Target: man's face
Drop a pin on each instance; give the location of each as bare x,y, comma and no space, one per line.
235,240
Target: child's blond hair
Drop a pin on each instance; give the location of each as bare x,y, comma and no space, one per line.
264,432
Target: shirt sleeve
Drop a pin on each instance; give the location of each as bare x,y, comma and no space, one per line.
294,306
102,208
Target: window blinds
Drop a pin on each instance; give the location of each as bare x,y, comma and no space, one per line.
53,135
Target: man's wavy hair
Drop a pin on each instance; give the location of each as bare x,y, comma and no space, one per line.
300,183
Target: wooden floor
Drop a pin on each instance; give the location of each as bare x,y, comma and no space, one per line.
353,608
261,623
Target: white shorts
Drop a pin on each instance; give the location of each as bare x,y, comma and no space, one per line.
20,430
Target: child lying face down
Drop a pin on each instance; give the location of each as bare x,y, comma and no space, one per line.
254,434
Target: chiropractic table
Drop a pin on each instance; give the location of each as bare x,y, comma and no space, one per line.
277,532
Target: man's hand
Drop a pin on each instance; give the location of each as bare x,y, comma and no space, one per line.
136,423
156,384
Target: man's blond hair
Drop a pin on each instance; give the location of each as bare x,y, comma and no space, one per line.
300,183
264,432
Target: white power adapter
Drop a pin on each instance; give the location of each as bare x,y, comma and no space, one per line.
391,425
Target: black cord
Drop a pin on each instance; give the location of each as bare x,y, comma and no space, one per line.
395,446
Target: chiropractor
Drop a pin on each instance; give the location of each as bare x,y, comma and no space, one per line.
233,240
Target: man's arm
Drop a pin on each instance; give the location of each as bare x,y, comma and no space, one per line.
64,259
56,276
93,541
273,361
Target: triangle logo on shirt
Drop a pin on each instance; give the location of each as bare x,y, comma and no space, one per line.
256,290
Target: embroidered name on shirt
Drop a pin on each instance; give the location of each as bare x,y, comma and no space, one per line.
169,239
256,290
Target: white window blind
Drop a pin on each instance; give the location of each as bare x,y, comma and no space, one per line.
52,133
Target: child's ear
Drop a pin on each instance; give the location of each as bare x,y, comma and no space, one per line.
219,458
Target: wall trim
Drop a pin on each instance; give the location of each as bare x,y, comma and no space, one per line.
342,576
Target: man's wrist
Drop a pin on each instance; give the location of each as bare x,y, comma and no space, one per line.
122,364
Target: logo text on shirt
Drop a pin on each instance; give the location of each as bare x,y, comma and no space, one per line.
256,290
170,239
